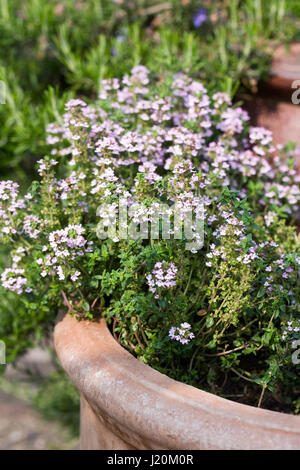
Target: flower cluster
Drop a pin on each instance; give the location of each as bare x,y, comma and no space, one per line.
10,204
31,226
183,334
162,276
65,246
291,333
13,279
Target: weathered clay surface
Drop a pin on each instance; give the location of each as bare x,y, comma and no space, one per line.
286,65
128,405
272,107
281,117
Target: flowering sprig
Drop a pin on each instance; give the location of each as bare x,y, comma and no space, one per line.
183,334
163,276
292,331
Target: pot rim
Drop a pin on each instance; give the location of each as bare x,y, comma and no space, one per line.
152,411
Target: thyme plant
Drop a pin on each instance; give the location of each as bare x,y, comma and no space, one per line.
205,314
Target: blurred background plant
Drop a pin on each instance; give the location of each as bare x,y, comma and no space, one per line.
51,51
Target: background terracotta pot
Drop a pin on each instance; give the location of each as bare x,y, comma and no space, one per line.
128,405
272,107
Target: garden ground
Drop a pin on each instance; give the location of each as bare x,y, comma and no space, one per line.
21,425
22,428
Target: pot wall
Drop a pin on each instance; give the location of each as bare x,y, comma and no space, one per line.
126,404
273,107
280,117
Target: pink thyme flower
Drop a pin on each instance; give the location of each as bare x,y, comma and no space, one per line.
183,334
162,276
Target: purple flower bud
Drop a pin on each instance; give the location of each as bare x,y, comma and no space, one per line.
200,17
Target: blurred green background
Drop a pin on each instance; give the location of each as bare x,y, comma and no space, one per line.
51,51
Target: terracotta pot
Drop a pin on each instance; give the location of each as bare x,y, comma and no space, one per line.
272,107
125,404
